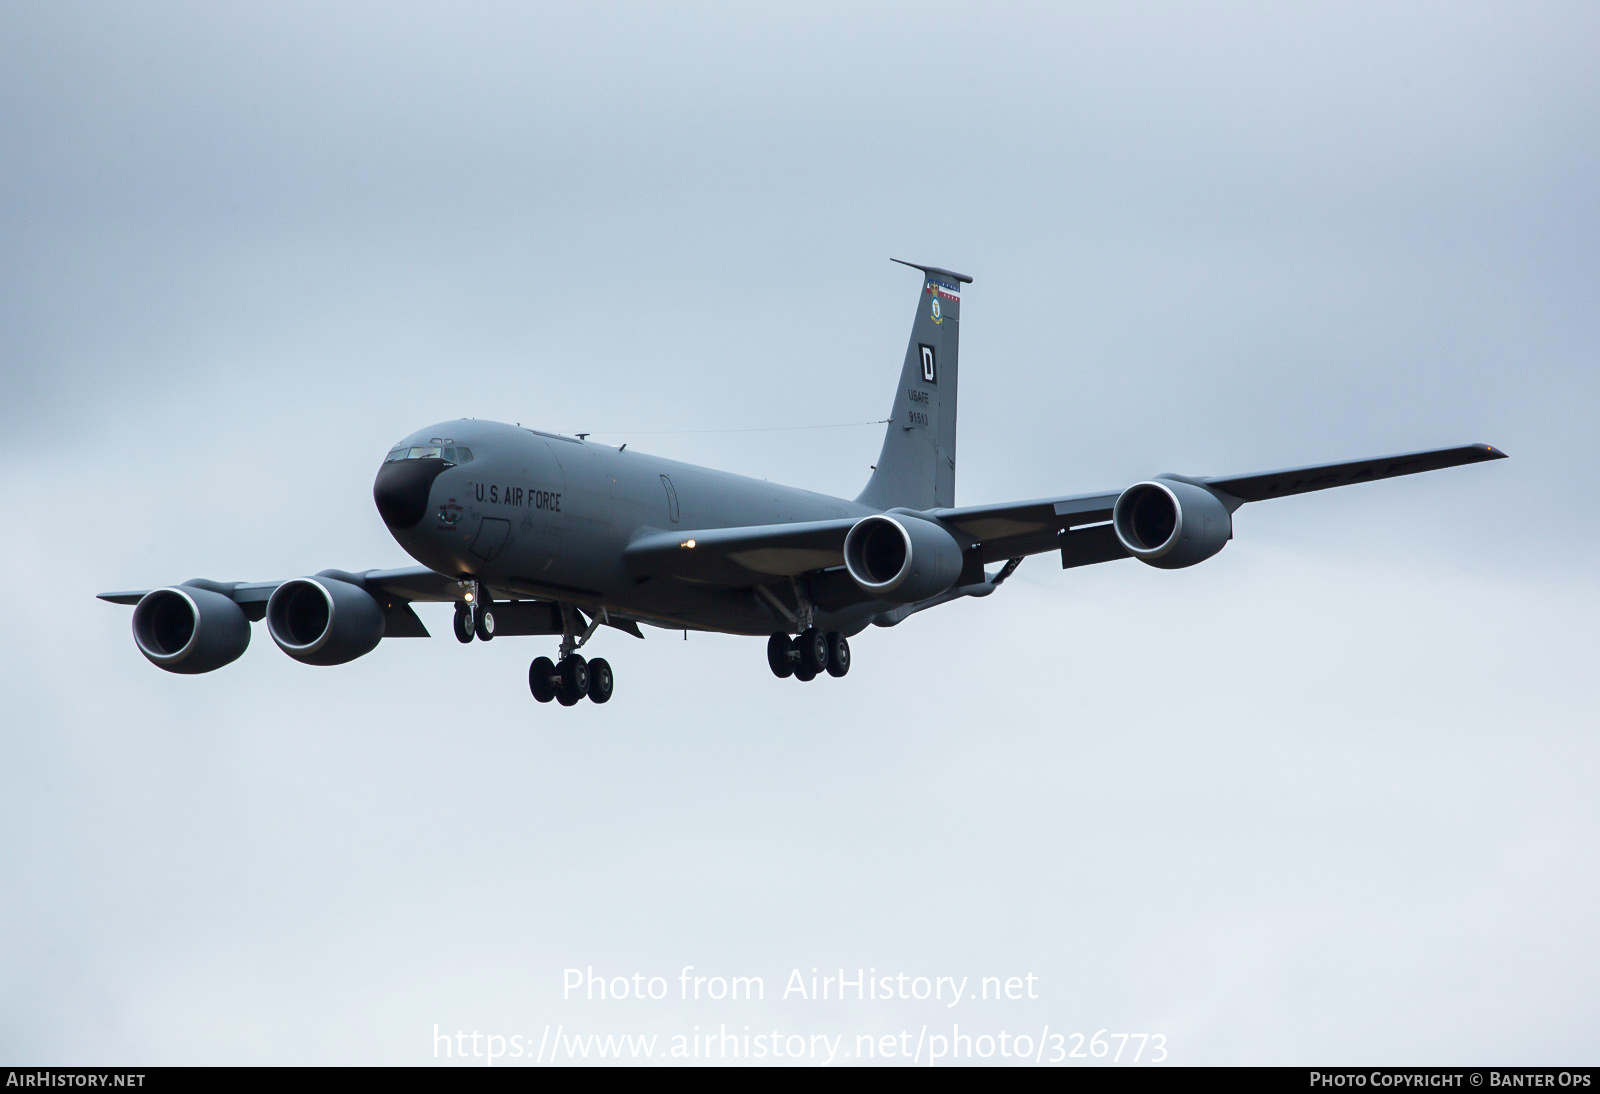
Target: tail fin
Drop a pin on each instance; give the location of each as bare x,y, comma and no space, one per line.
917,467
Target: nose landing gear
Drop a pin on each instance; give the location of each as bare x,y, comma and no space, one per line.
475,616
808,655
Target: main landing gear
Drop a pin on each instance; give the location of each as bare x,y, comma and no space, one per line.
809,655
571,678
567,681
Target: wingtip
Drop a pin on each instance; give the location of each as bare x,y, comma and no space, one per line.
1493,453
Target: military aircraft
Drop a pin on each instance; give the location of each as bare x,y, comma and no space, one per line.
532,533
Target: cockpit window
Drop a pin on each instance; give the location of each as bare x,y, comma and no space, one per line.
448,453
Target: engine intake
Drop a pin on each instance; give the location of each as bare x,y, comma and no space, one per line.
901,559
323,621
1171,524
188,630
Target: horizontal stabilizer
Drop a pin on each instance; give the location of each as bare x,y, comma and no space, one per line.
123,598
935,271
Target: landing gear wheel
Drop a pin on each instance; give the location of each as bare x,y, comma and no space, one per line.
812,645
541,679
778,647
804,675
463,623
599,680
838,654
483,622
573,672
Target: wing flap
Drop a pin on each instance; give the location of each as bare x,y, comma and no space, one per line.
1087,546
1009,529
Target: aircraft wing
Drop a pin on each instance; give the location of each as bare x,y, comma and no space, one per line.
394,589
1080,524
1077,525
405,583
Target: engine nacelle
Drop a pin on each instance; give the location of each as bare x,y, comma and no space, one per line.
901,559
1171,524
187,629
323,621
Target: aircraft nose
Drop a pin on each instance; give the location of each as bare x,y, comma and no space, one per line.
401,491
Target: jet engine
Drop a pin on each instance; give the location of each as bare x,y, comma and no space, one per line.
323,621
1171,524
187,629
901,558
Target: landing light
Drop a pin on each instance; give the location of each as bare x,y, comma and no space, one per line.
687,543
468,598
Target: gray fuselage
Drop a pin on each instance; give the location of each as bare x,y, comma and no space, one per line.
542,516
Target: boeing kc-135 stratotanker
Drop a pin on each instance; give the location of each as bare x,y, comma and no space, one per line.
532,533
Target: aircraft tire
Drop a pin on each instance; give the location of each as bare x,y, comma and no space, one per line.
804,675
539,679
813,648
483,622
778,647
574,674
838,654
600,680
463,623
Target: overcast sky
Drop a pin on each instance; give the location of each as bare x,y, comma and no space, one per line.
1328,797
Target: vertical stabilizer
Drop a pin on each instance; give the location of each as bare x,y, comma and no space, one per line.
917,467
